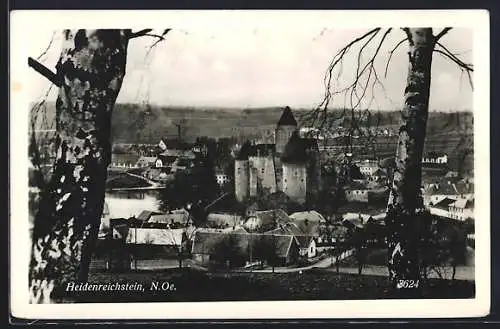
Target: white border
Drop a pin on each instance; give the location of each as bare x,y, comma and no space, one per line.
23,21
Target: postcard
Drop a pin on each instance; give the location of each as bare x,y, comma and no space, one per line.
265,164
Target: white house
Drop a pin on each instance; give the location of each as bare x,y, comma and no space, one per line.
307,246
435,158
462,209
459,208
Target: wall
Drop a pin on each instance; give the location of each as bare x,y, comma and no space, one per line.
241,179
262,170
295,181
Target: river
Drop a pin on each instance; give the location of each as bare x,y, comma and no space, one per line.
125,205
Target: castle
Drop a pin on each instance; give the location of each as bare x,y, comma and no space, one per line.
290,165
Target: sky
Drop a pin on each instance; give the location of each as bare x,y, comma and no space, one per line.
249,67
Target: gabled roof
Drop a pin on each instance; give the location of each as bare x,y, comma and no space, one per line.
434,155
146,159
206,242
145,215
272,216
287,118
311,215
175,144
444,203
127,158
223,219
181,218
304,240
463,203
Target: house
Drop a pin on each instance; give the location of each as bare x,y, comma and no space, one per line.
378,175
173,144
205,244
145,215
307,246
308,222
173,219
145,161
368,167
458,207
164,160
262,221
461,209
223,220
357,195
435,159
119,160
311,216
119,228
447,188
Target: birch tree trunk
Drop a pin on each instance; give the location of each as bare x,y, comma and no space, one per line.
405,212
90,70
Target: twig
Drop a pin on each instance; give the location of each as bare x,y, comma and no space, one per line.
454,58
442,33
391,53
467,68
139,33
46,72
48,47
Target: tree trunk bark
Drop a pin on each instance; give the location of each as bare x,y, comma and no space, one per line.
405,206
91,70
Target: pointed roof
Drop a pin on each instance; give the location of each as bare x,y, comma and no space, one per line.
287,118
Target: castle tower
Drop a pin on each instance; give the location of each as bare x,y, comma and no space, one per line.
294,159
241,173
286,126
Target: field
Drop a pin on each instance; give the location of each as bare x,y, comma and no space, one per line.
315,284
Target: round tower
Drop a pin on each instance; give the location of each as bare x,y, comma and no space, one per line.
241,173
294,162
286,126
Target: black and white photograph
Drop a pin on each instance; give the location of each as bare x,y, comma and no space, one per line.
184,158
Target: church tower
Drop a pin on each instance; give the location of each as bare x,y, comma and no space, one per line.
286,126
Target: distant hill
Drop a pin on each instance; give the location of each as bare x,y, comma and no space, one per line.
147,124
449,132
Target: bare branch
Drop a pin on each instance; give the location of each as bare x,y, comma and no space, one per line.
464,67
454,58
442,33
467,68
48,47
391,53
46,72
139,33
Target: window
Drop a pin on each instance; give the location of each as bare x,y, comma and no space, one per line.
262,170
